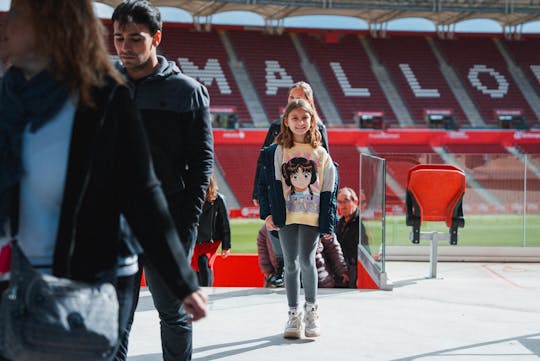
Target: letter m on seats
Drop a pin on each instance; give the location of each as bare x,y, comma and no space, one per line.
212,71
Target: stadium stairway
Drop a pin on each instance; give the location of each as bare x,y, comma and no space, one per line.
528,60
414,70
272,67
532,166
224,187
485,75
395,188
471,181
208,64
327,105
456,86
345,68
247,90
521,80
389,89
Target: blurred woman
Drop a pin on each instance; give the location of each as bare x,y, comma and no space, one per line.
214,230
74,156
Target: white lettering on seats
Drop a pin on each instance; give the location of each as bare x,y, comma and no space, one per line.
503,85
414,84
536,71
343,81
212,70
276,77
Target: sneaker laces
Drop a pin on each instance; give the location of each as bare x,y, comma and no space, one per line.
311,314
294,320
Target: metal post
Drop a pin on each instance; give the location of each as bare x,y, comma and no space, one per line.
434,238
525,201
433,257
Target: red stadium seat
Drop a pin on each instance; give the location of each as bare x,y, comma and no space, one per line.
434,194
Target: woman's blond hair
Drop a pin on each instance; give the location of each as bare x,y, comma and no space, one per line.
308,93
212,191
72,38
285,137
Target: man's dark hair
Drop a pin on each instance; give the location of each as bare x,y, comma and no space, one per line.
139,12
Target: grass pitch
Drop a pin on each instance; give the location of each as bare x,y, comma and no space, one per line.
509,230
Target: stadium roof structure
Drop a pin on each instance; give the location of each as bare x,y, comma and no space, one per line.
510,14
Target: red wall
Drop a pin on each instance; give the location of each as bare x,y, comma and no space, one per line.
362,137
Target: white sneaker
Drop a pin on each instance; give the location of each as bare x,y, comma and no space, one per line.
311,319
293,329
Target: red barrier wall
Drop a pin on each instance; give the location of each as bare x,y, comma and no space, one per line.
238,270
242,270
364,280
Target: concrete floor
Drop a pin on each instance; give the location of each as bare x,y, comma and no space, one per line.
471,312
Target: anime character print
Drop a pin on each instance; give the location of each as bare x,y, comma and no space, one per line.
300,174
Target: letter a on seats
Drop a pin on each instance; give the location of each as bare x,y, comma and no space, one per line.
276,77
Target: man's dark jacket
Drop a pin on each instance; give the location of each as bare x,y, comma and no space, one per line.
175,112
348,235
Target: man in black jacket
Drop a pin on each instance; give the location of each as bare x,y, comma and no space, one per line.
348,231
175,111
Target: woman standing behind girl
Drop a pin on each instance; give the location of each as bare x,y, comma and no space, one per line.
214,229
299,218
299,90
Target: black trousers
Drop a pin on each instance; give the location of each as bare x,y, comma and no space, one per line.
3,287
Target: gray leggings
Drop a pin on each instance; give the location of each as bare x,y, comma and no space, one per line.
299,244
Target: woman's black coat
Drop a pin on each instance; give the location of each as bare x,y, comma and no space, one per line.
110,173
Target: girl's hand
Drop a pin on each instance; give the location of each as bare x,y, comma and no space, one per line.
270,226
345,278
225,253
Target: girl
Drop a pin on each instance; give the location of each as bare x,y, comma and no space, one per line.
299,220
214,229
299,90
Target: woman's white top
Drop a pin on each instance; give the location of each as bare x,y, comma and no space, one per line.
44,158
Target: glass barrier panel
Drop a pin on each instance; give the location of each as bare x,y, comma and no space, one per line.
371,197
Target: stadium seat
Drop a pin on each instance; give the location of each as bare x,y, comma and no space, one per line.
434,194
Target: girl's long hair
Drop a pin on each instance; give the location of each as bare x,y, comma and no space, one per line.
285,137
72,37
212,192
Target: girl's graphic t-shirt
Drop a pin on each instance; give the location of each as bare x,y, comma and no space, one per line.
305,172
